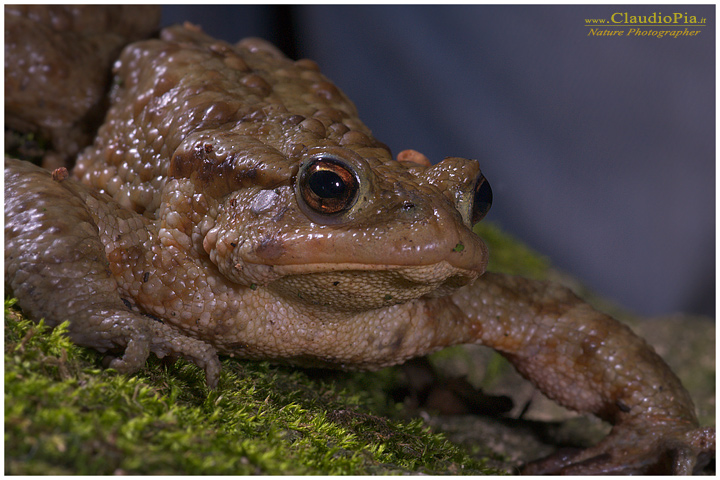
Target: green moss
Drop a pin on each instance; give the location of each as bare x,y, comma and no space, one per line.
66,415
508,255
25,146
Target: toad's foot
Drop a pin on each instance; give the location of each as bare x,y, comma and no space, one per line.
137,336
140,335
679,448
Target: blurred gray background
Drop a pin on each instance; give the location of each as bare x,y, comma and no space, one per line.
600,150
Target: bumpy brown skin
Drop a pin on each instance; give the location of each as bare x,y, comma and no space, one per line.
186,232
57,64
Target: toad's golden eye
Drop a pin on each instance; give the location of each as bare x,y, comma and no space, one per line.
328,185
482,199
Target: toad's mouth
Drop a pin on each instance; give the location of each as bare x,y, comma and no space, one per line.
356,287
452,251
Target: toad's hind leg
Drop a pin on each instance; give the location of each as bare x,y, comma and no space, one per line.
55,264
589,362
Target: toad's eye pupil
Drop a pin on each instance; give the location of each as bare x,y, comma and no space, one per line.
327,184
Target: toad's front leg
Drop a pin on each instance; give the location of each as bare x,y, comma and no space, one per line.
588,362
55,263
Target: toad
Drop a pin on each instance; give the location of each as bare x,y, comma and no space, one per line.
59,59
232,203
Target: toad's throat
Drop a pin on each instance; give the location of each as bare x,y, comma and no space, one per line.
370,288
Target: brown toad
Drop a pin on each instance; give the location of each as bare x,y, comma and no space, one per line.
233,203
60,58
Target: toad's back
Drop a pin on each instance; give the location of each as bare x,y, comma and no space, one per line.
186,88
